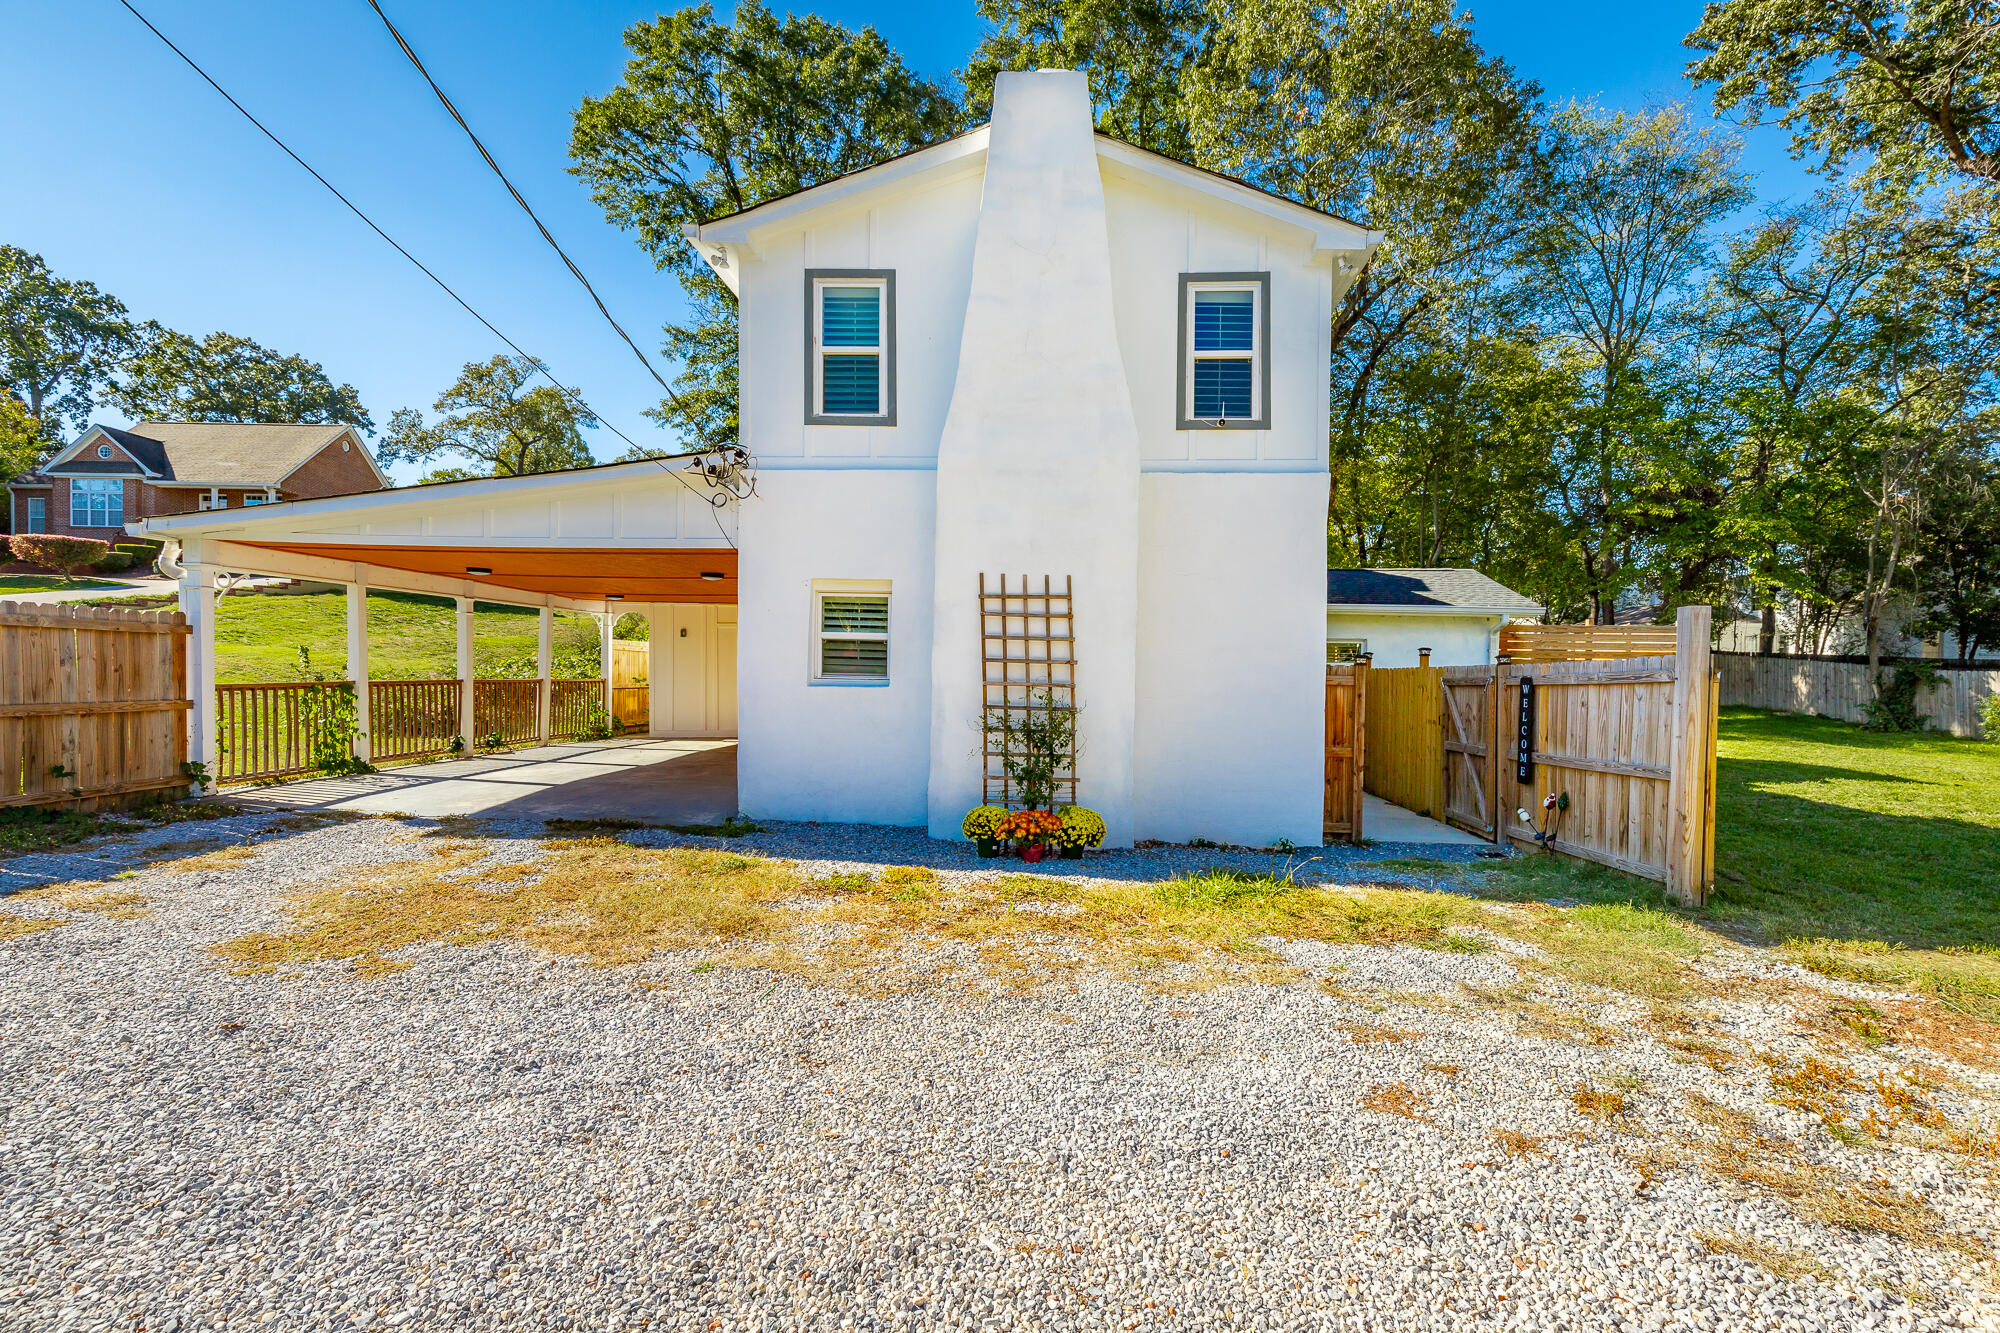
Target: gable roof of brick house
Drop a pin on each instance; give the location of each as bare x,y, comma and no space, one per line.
205,453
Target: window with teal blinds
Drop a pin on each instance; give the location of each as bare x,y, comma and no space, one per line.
1224,323
850,339
853,636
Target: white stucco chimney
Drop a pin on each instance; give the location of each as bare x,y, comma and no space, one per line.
1038,466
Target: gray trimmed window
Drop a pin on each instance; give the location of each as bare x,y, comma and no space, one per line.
850,347
1225,352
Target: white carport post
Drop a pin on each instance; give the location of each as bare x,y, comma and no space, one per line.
606,622
357,667
545,668
197,597
465,673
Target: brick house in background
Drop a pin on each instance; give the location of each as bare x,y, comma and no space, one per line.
110,477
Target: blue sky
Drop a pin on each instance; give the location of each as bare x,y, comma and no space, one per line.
118,165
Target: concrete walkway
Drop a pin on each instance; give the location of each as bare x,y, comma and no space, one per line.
657,781
1382,821
114,588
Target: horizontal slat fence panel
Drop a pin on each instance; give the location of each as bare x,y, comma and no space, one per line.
264,730
1584,643
93,704
632,706
506,710
570,704
411,719
1405,740
1842,690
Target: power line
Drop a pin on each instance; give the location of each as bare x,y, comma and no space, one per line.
576,272
353,208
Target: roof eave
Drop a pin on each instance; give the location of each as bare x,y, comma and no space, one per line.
1382,609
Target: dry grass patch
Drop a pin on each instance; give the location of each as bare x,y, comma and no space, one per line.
223,858
1366,1034
1964,980
1540,1018
90,896
1398,1098
14,927
1516,1144
1615,946
1599,1104
1783,1260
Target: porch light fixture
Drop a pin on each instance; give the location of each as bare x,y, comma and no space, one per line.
477,569
711,576
614,596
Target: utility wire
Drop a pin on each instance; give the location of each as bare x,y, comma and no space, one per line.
353,208
576,272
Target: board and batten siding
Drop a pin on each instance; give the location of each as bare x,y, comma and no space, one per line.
1842,690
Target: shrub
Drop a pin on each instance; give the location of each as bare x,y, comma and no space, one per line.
65,555
117,562
6,549
1989,717
1894,707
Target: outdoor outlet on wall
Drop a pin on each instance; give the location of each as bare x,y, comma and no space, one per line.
684,632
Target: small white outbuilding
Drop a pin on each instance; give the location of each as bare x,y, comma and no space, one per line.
1403,617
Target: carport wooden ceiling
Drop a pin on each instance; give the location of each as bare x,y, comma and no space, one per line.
585,573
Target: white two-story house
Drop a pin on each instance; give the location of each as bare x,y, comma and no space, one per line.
1030,356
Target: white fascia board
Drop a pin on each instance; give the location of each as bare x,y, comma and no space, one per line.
738,230
1462,612
230,556
1331,235
367,504
83,440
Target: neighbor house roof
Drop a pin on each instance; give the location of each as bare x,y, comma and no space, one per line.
1433,590
207,453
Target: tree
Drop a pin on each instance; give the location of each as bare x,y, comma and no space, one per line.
1905,85
60,340
1635,202
226,378
492,418
1135,53
65,555
1958,558
23,443
715,117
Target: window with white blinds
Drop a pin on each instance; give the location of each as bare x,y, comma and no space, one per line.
1225,323
96,502
850,347
851,636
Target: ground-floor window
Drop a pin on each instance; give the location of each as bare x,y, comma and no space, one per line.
38,514
850,632
1340,652
96,502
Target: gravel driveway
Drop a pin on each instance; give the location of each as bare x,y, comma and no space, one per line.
495,1139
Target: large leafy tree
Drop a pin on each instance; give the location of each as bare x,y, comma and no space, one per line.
1904,88
714,117
60,340
223,377
23,443
498,421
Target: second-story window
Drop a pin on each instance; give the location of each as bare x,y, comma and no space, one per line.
851,347
1225,370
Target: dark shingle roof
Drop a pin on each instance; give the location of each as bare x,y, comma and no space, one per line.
1436,589
214,453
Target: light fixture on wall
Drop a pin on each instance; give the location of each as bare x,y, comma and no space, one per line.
710,576
477,569
614,596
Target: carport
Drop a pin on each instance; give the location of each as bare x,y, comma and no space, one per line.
655,536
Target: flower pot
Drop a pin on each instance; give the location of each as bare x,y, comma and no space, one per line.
1032,852
986,847
1072,853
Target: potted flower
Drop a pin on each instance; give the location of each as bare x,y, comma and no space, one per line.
982,825
1081,828
1030,832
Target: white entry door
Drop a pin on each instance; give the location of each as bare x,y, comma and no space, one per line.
693,670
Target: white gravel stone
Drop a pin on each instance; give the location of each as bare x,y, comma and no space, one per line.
496,1139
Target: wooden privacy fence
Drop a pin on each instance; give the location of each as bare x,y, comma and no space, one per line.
267,730
505,710
1629,739
1406,738
93,704
1346,750
631,695
411,719
570,705
1584,643
1842,689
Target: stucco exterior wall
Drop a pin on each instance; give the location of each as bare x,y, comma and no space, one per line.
840,752
1394,639
1229,743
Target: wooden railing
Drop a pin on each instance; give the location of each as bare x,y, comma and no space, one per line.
411,719
504,711
93,704
265,730
1584,643
570,705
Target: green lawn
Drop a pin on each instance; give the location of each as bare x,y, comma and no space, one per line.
1870,856
410,637
16,583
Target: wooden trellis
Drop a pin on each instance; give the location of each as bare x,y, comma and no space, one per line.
1027,649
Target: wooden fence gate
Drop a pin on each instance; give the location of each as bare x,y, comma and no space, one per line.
631,692
93,705
1469,712
1346,750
